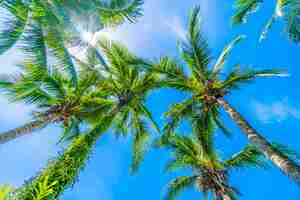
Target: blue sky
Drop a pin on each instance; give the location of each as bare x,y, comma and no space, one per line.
271,105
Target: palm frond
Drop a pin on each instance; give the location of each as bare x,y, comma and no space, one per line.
116,12
149,116
178,185
177,113
56,46
237,77
180,162
170,68
148,81
71,130
14,24
33,45
250,156
29,92
55,84
118,56
203,129
220,124
244,8
195,51
184,146
266,28
140,143
121,122
224,55
87,79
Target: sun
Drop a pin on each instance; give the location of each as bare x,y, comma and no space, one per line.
87,36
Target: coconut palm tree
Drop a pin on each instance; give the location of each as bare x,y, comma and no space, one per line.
210,173
286,10
206,86
58,92
126,88
69,21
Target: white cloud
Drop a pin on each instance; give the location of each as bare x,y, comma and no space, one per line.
276,111
165,22
175,24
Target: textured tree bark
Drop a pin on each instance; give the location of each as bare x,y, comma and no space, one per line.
288,166
25,129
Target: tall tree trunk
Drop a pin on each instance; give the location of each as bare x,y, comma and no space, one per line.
25,129
288,166
65,169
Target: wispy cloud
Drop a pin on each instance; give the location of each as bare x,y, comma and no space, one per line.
275,111
156,32
176,26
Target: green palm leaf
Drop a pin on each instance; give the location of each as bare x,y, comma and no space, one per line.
178,185
244,8
14,25
237,77
115,12
140,143
54,41
250,156
195,50
225,53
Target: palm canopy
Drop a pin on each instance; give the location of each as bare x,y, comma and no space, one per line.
207,84
58,91
202,80
288,10
210,173
60,16
126,89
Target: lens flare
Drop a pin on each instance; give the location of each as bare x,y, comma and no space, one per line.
87,36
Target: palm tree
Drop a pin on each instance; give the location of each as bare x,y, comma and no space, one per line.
126,88
210,173
61,16
58,92
206,88
288,10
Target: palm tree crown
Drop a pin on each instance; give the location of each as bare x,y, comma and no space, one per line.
210,173
205,84
58,95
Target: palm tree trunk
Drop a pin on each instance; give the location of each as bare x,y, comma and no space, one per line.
65,169
288,166
25,129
